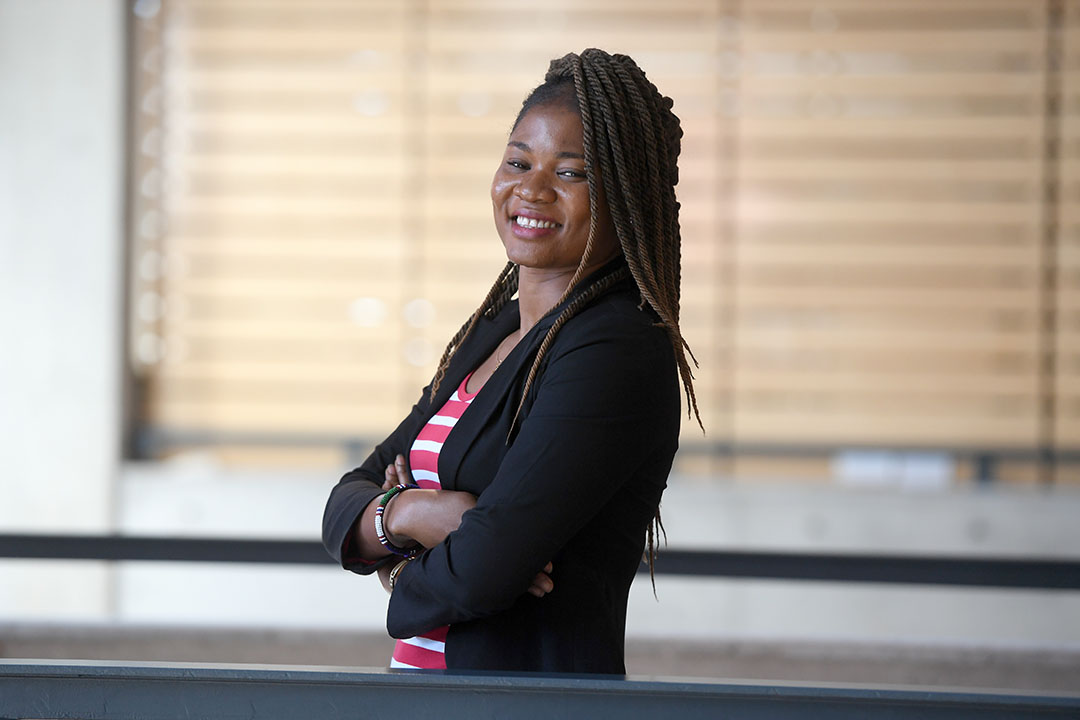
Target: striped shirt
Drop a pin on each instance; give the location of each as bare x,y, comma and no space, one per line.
428,651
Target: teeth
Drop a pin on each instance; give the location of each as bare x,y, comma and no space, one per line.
533,222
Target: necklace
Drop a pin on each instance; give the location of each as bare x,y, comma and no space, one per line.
498,360
521,332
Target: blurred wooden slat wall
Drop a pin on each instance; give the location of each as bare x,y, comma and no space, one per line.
862,184
889,198
1067,226
286,161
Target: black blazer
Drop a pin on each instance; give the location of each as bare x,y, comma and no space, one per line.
576,485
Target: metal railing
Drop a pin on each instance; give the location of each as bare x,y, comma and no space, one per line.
111,691
1038,573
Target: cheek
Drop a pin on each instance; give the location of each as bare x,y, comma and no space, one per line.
499,193
605,228
581,204
500,186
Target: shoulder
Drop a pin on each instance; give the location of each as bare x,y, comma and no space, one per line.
616,352
611,367
617,322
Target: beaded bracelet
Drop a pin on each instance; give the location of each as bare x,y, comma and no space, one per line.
396,571
380,531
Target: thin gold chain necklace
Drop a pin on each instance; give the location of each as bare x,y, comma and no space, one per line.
521,333
498,360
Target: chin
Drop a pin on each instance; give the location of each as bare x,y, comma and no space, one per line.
520,254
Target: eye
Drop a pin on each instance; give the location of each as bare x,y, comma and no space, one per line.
517,164
573,174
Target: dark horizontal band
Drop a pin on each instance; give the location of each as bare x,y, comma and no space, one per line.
832,567
104,691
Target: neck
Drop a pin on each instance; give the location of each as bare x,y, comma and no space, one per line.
539,290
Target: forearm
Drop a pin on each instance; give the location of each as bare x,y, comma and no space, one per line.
424,516
365,543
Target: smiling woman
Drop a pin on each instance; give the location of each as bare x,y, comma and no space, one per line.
508,513
541,196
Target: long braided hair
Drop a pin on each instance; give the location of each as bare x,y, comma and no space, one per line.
633,138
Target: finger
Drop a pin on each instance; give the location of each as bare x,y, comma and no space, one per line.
548,568
539,590
542,583
403,475
391,477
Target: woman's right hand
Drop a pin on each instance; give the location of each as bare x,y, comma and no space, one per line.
542,583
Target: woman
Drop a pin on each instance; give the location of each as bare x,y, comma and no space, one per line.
543,444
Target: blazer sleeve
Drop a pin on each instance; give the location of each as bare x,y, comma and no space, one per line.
603,404
359,487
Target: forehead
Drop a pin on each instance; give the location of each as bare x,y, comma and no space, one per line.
550,127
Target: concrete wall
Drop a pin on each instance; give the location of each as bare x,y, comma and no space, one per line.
61,211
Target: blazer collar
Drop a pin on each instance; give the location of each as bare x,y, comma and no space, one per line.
508,376
489,332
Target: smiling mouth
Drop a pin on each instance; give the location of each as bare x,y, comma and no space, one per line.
525,222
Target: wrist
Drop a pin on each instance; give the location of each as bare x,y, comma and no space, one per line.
392,578
396,545
395,520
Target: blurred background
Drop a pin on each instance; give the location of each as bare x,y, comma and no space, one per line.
235,237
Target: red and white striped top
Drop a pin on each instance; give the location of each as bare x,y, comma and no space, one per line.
429,650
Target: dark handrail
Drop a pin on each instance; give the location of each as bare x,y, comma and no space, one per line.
1052,574
109,691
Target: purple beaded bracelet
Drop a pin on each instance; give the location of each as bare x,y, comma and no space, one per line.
380,531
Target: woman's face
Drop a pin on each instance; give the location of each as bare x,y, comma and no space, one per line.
540,195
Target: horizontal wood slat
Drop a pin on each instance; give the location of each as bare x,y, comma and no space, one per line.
864,196
1066,171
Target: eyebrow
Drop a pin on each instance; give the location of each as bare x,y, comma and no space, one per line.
563,154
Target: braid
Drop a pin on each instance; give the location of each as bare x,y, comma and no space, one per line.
590,293
633,139
500,293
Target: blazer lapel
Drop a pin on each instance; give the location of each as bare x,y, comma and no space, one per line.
507,378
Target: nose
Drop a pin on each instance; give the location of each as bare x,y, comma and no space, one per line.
535,187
